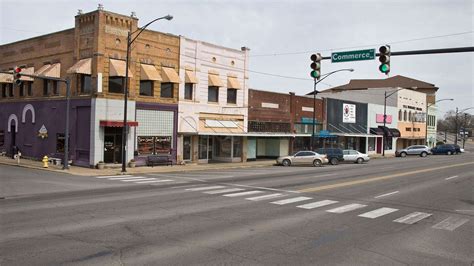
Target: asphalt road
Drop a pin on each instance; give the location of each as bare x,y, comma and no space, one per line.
399,211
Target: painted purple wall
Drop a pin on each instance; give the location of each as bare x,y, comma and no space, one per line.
51,114
162,107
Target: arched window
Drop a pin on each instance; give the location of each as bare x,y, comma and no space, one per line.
400,115
405,115
410,116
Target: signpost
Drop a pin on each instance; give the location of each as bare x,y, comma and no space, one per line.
349,56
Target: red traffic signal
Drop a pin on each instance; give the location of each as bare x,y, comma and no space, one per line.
17,75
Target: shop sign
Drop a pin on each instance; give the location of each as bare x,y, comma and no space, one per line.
379,119
348,113
308,120
43,132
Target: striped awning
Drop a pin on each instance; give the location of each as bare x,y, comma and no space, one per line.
83,66
117,69
170,75
149,72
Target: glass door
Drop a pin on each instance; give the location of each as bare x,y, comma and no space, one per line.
187,148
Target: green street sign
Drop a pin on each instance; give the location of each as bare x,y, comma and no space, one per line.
348,56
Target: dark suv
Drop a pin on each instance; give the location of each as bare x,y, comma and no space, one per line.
446,149
335,155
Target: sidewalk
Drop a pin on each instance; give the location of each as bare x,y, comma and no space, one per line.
83,171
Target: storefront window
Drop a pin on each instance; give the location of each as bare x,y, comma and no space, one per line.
371,144
237,147
388,145
60,142
223,146
154,145
203,147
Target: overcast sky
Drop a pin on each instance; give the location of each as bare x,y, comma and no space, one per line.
283,34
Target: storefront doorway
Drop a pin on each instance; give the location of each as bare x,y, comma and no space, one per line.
187,144
112,144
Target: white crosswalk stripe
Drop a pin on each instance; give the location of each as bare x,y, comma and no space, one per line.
378,212
112,176
204,188
291,200
412,218
222,191
140,179
347,208
246,193
266,197
126,178
154,181
450,223
317,204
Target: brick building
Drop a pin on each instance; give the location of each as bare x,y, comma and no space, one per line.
92,56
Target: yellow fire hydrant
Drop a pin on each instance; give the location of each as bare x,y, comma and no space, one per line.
45,161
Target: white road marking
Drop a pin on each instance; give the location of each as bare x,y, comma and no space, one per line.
142,179
264,188
243,193
124,178
109,176
387,194
412,218
451,177
317,204
154,181
204,188
378,212
451,223
347,208
291,200
222,191
265,197
465,210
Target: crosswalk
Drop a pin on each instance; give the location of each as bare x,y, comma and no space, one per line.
136,179
450,223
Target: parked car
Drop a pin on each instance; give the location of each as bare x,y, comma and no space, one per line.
420,150
303,157
334,155
446,149
458,149
355,156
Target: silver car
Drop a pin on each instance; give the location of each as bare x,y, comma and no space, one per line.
420,150
303,157
355,156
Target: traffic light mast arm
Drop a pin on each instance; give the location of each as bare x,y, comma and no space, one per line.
330,73
34,76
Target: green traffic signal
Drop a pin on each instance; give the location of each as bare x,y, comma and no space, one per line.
315,74
384,68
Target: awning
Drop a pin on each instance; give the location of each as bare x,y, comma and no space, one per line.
6,78
233,83
214,80
149,72
395,132
170,75
116,123
190,77
352,135
376,131
29,71
387,131
117,69
83,66
50,70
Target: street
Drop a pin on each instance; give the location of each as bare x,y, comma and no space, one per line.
393,211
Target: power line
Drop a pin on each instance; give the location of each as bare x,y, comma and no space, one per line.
363,46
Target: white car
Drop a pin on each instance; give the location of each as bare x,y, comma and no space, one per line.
303,157
355,156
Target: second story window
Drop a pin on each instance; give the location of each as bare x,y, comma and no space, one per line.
10,90
166,90
21,89
29,88
213,94
146,87
55,87
86,83
232,96
4,90
188,91
46,88
116,84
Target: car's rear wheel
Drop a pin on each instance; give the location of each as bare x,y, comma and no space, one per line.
403,154
423,154
449,153
334,161
317,163
286,162
360,160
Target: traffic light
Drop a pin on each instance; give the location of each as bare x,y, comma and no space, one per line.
17,75
384,59
316,65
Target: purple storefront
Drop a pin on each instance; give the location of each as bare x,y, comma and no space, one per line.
37,129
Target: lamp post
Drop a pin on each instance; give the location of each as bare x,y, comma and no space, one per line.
426,117
456,123
314,100
129,43
385,115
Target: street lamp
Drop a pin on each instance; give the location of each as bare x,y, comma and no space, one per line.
314,100
129,43
385,115
456,124
426,117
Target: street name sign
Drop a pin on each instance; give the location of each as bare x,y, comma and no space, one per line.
349,56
